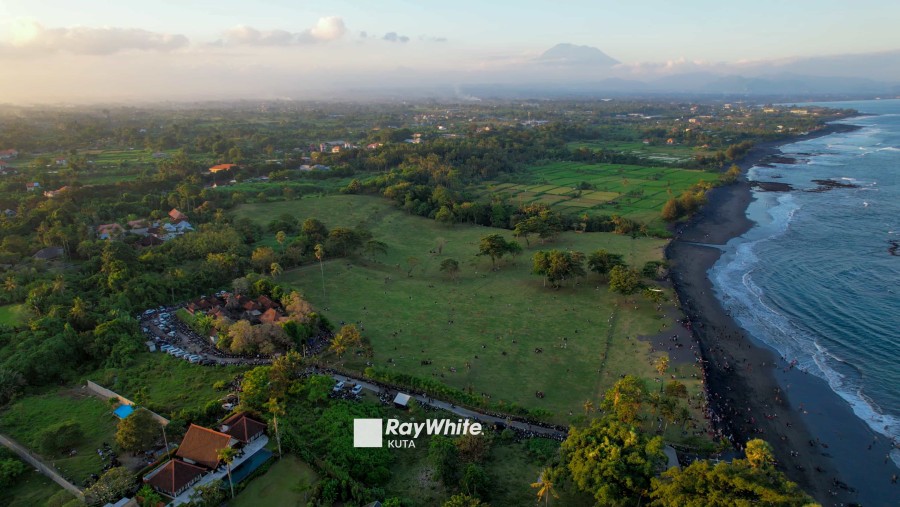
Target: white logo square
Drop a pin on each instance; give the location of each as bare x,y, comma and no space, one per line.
367,432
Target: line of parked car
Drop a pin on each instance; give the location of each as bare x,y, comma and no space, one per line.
341,386
175,351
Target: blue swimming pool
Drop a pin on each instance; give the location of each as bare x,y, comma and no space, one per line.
246,468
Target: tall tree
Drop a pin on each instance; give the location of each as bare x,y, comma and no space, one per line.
276,408
138,431
226,455
451,267
320,256
544,486
612,461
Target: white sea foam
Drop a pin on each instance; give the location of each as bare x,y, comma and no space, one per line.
733,279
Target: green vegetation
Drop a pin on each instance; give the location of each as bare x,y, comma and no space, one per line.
484,313
166,384
661,152
28,418
289,482
576,188
33,489
12,315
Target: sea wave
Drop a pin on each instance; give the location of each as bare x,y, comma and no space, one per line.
739,274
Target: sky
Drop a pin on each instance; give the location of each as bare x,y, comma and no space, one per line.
59,50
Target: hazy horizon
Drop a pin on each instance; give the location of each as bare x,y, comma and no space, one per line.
229,50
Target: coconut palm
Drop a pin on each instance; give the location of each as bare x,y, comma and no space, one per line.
276,270
588,407
280,237
545,487
320,255
227,455
276,409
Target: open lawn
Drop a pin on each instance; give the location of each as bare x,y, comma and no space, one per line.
481,332
165,383
634,192
288,483
12,315
24,419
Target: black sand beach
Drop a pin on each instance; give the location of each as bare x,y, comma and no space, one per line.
818,441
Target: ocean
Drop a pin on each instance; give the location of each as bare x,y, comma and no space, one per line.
815,278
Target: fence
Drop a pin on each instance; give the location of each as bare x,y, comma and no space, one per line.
107,394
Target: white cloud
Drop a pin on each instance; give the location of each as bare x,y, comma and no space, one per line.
394,37
328,29
325,30
31,36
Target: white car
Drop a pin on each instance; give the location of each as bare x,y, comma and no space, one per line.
339,387
166,348
356,389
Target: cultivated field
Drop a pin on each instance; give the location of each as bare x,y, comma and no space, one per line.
634,192
669,154
481,332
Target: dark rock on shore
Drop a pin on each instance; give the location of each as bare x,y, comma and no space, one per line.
771,186
826,185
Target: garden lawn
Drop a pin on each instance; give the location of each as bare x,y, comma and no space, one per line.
288,483
482,331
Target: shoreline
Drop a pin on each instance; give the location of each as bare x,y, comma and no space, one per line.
753,393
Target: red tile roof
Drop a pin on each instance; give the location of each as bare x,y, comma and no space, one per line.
172,477
201,445
242,427
177,215
221,167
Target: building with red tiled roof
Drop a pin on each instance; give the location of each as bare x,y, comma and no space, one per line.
221,167
176,215
201,446
174,477
242,428
271,316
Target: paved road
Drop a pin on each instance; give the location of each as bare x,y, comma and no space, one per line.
464,412
36,462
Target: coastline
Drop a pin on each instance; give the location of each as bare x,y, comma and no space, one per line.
818,440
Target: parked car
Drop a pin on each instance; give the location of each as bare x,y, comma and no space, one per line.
356,389
166,348
339,386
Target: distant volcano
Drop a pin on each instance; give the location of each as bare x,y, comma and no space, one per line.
570,54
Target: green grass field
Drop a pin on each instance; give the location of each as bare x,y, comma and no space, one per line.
33,489
481,331
635,192
673,154
12,315
168,384
288,483
27,417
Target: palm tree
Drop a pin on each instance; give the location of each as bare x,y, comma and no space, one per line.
320,255
280,237
10,284
276,270
226,455
545,487
588,407
276,409
662,364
